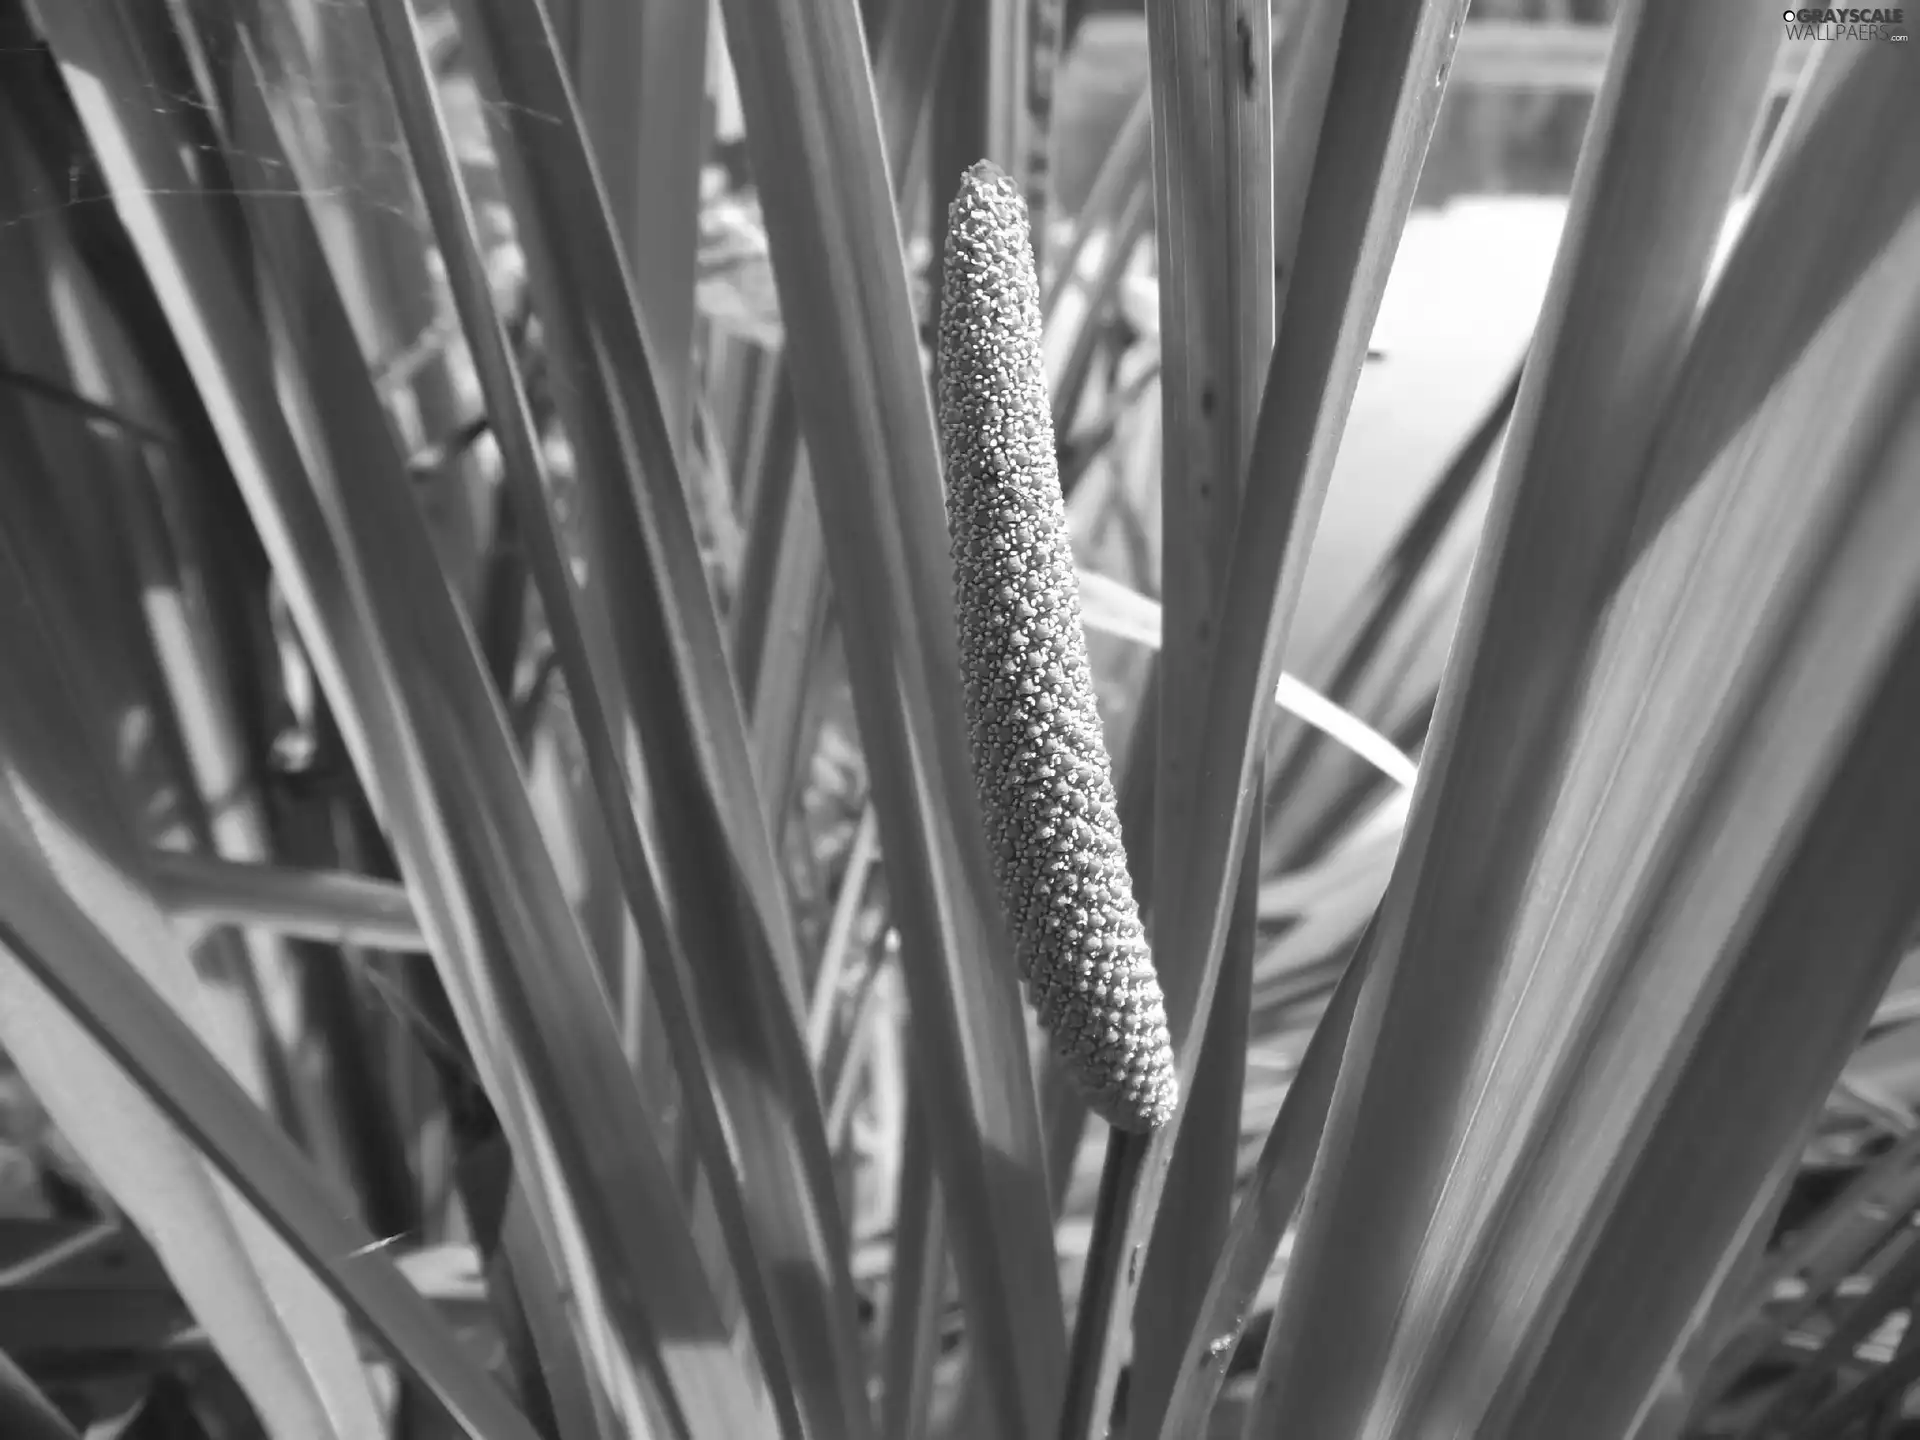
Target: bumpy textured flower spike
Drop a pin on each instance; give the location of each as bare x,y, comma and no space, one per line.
1039,763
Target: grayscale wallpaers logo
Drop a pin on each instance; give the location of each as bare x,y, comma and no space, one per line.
1845,24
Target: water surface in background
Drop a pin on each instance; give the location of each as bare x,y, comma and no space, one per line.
1466,286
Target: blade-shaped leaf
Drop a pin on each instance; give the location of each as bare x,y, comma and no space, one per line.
1383,98
1213,113
422,722
25,1411
725,971
814,139
1530,1017
286,1340
1264,1212
78,1008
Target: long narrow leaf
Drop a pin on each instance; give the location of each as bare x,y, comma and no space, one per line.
62,957
816,147
428,732
1525,984
734,962
1261,1218
24,1411
314,905
641,68
1385,93
1213,115
289,1343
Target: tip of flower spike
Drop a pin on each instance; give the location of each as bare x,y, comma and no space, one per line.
987,199
985,172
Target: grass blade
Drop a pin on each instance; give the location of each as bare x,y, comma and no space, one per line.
919,1287
24,1411
1679,1388
327,905
286,1341
1383,99
427,730
739,1024
780,613
1894,1283
788,616
1491,1010
641,69
609,1191
189,1087
1196,1207
913,41
1110,608
1383,656
1845,677
855,364
1075,331
1821,1255
1305,37
1045,43
60,957
1268,1207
